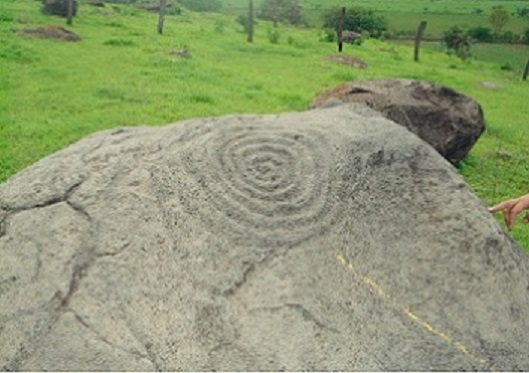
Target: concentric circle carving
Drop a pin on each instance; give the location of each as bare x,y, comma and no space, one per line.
270,185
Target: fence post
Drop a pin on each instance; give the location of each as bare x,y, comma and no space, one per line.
418,38
69,12
161,16
526,71
250,22
340,30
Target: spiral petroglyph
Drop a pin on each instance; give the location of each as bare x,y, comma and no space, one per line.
268,184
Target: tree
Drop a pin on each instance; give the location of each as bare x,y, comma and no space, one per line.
357,20
281,11
457,41
498,18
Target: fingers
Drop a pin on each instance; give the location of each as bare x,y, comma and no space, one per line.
504,206
508,210
513,213
511,209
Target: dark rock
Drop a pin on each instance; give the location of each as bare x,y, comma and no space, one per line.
350,36
58,7
348,60
449,121
329,240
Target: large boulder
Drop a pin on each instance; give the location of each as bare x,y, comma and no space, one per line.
449,121
325,240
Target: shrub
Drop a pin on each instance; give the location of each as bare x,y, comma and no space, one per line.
525,36
6,16
329,35
508,37
357,20
457,41
480,33
244,20
522,12
274,35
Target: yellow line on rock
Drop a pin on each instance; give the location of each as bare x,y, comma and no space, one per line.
406,311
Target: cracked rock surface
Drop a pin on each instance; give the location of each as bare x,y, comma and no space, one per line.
327,240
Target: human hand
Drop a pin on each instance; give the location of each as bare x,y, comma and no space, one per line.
511,209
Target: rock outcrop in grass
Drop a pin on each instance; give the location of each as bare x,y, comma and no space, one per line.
449,121
327,240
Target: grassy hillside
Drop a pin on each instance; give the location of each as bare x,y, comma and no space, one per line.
53,93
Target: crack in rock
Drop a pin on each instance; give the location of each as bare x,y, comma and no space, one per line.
304,312
79,208
107,342
261,262
238,284
82,263
3,227
309,316
151,356
47,202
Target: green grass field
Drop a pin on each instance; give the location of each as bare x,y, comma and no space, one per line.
508,56
436,6
405,15
122,73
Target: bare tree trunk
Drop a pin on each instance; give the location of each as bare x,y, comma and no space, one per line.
161,16
526,71
340,30
69,13
250,22
418,38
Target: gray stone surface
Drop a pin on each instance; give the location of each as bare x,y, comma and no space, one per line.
325,240
447,120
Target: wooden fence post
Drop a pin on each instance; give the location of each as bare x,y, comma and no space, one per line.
69,12
250,22
418,38
161,16
526,71
340,30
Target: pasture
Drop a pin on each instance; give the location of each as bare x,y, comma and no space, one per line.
122,73
404,15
